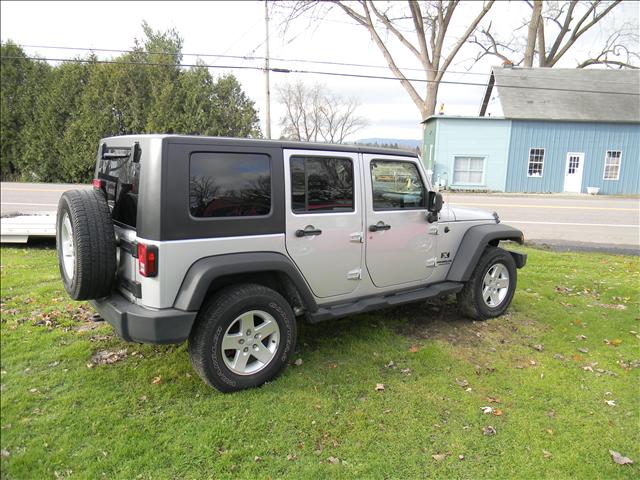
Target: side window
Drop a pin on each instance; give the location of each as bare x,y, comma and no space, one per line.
229,184
321,184
396,185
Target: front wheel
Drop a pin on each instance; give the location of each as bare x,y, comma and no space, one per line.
242,338
489,291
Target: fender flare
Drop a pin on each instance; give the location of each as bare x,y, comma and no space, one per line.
473,244
203,272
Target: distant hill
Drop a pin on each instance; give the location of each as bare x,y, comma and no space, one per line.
401,142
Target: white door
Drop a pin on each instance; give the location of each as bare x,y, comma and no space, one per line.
573,172
324,233
399,247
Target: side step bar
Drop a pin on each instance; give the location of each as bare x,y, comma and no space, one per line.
377,302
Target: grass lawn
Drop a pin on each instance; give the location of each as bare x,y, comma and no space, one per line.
569,345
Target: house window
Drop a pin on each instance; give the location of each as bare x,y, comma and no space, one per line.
536,162
468,170
612,165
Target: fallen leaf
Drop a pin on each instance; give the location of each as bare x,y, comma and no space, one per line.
581,337
34,390
406,371
538,347
549,431
583,350
486,410
614,343
157,380
460,457
577,358
438,457
414,348
106,357
5,453
611,403
143,398
333,460
619,459
291,457
257,459
489,430
298,362
532,362
497,412
333,365
493,400
546,454
462,382
379,387
391,364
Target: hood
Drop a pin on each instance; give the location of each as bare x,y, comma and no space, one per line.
462,214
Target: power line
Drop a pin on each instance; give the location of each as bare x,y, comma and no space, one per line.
292,60
315,72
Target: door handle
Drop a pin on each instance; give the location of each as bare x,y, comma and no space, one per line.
308,232
379,226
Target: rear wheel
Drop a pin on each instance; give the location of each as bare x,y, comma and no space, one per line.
242,338
489,291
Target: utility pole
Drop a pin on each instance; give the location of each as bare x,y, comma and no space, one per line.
267,110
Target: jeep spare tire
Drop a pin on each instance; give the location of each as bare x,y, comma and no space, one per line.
85,241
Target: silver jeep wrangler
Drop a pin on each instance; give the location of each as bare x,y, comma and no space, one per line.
227,242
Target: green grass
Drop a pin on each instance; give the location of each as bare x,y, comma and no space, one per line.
61,418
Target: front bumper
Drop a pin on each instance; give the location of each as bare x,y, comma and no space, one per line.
138,324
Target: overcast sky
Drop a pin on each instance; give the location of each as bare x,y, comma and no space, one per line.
238,28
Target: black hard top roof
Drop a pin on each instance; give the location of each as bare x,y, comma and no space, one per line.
197,139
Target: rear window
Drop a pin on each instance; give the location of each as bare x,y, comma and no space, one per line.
119,168
229,185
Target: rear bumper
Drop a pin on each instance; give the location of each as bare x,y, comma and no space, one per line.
138,324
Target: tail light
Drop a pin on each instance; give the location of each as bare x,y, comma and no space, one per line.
98,183
147,260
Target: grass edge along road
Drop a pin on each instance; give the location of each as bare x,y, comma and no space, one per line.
559,374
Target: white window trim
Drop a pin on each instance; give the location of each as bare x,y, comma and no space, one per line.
484,169
604,170
544,154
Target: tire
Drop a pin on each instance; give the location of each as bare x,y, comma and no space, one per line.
85,241
220,321
471,300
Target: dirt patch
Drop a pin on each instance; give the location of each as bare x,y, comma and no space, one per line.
441,320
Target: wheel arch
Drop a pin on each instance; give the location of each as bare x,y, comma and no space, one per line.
270,269
473,244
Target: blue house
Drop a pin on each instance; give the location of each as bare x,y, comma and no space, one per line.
543,130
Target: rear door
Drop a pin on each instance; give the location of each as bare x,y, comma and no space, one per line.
325,218
118,170
400,248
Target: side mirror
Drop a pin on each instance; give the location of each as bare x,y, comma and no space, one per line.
434,205
434,202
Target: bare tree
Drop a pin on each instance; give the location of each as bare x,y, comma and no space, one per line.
430,22
312,113
553,28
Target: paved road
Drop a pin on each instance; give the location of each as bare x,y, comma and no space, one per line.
554,219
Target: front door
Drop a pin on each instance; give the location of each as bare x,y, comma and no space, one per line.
400,248
324,235
573,172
